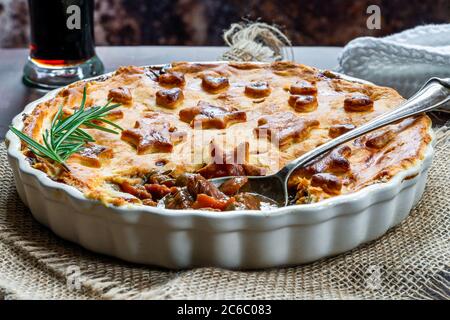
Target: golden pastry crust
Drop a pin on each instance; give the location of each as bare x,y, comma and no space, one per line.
233,103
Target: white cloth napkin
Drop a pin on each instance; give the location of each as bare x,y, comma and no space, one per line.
403,61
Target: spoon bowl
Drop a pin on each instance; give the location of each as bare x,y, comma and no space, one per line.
271,187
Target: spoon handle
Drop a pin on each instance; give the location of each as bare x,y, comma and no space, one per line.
432,95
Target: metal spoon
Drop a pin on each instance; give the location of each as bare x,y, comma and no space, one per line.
435,93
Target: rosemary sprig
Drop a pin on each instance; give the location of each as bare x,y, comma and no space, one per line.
65,137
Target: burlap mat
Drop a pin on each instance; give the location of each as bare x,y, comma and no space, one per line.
410,261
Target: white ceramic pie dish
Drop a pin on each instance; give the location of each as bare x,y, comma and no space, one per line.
236,239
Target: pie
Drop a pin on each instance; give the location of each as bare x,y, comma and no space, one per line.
188,122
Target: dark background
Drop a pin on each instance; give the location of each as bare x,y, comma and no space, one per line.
201,22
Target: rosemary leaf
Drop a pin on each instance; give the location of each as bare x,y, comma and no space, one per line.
65,135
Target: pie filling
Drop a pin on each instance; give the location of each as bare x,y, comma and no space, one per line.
190,122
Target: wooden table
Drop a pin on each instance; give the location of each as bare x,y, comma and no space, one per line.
15,96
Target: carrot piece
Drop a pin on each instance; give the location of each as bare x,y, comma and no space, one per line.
137,191
205,201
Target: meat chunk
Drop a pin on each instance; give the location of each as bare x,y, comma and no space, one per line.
284,128
339,129
120,95
233,185
92,155
328,182
194,191
163,179
259,89
205,193
169,98
358,102
214,84
153,134
179,198
207,116
172,79
157,190
303,87
304,103
196,184
253,170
